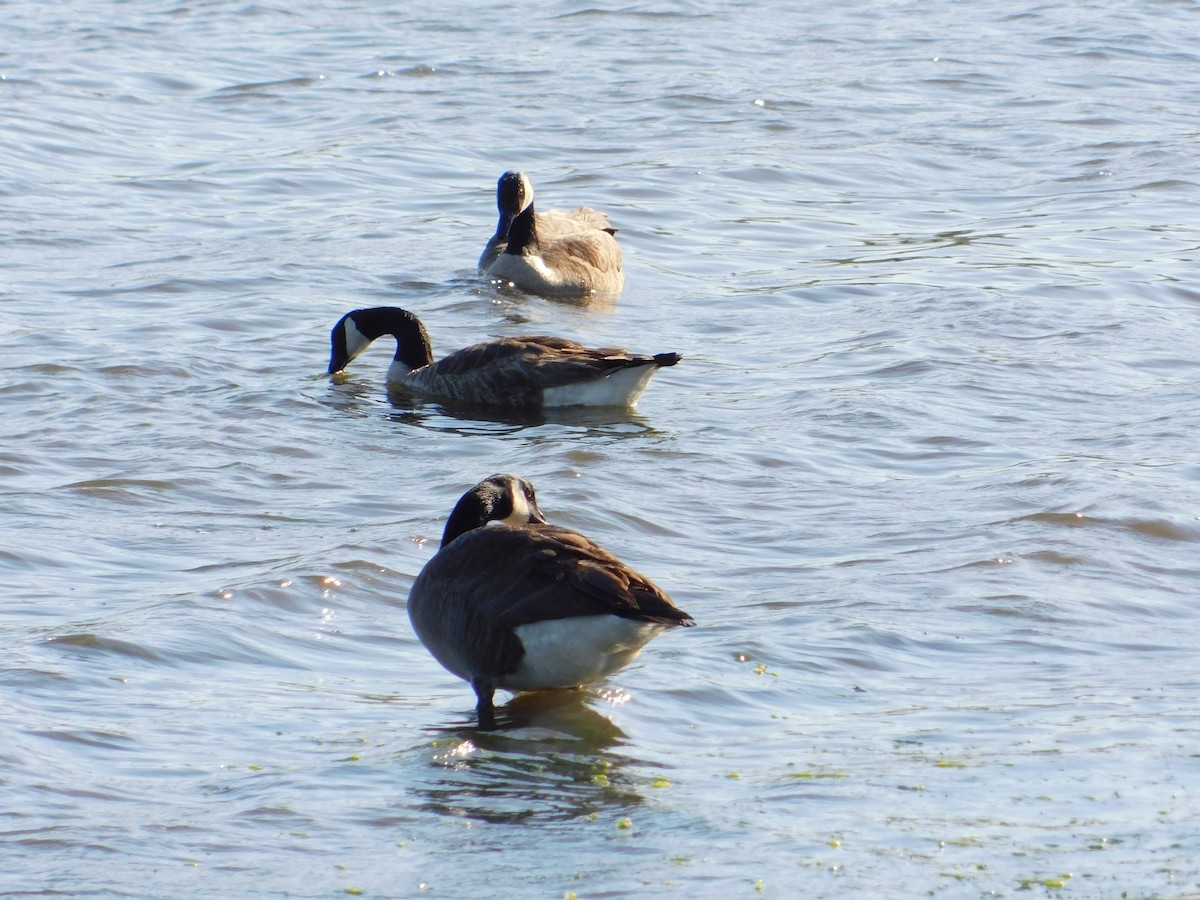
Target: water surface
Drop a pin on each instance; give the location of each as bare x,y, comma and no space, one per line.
926,478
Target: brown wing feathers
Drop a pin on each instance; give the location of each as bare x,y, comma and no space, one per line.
539,572
523,366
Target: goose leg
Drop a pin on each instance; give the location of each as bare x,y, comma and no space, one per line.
485,689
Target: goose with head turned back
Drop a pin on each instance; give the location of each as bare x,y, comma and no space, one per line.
557,253
530,371
527,606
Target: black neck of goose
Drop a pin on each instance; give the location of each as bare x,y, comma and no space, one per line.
522,233
471,512
488,501
413,349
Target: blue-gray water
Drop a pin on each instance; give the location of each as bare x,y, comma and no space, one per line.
927,478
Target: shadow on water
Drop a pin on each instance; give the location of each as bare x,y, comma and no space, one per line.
360,398
551,759
413,410
467,288
513,311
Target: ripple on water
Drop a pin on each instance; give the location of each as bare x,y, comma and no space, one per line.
925,477
86,642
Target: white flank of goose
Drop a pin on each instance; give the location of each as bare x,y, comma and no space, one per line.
524,605
556,253
530,371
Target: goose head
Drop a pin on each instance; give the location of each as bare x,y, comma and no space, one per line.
514,192
355,331
502,498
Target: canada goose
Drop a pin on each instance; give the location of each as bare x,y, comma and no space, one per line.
526,371
555,253
527,606
514,192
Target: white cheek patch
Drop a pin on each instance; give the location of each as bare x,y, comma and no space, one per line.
356,341
520,514
526,192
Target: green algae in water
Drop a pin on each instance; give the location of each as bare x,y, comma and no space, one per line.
962,842
1054,883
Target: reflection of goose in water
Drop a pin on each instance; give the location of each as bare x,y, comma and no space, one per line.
527,371
527,606
469,419
559,761
358,399
556,253
557,715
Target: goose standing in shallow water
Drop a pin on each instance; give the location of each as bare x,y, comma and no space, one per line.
556,253
527,606
530,371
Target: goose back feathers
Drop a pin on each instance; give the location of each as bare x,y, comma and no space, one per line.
525,605
529,371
